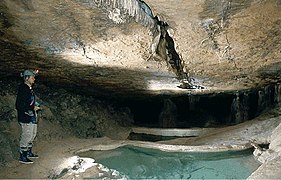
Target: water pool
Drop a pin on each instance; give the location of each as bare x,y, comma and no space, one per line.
144,163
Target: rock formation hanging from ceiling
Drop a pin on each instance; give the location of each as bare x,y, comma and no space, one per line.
106,46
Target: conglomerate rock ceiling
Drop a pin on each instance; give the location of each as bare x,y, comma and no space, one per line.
135,47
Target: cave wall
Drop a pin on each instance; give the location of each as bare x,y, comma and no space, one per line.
213,110
105,45
75,43
227,43
65,113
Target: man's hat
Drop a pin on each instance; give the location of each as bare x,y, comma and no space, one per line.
29,73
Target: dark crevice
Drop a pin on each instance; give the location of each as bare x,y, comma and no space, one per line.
150,137
212,110
264,146
163,45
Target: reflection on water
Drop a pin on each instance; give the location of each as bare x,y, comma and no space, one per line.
143,163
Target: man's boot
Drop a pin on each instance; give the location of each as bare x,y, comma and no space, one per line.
23,158
30,154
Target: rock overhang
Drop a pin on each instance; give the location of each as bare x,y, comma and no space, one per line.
76,44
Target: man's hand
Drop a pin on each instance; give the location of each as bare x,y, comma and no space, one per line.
37,108
29,113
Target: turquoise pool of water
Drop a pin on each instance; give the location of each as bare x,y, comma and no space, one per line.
144,163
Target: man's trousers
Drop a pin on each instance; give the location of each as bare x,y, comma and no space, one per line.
28,134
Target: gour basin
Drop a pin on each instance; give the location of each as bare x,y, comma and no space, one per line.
145,163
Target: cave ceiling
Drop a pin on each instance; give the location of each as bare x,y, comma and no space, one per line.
137,48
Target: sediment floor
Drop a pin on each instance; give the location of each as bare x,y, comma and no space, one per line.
55,155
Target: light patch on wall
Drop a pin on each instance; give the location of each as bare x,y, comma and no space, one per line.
115,15
169,84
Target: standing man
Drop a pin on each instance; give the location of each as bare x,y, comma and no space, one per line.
26,107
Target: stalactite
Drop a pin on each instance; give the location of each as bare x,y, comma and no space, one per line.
268,96
134,8
236,109
192,101
245,106
168,116
260,101
278,93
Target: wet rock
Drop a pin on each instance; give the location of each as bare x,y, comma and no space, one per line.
168,116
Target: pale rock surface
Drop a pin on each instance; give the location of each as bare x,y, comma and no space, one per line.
55,154
271,158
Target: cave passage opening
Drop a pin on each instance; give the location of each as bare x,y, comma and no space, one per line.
202,111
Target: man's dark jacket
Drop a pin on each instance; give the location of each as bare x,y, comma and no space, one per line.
25,102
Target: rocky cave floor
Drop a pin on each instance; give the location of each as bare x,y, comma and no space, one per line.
54,152
60,137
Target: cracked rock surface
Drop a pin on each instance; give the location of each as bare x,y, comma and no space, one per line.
228,45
